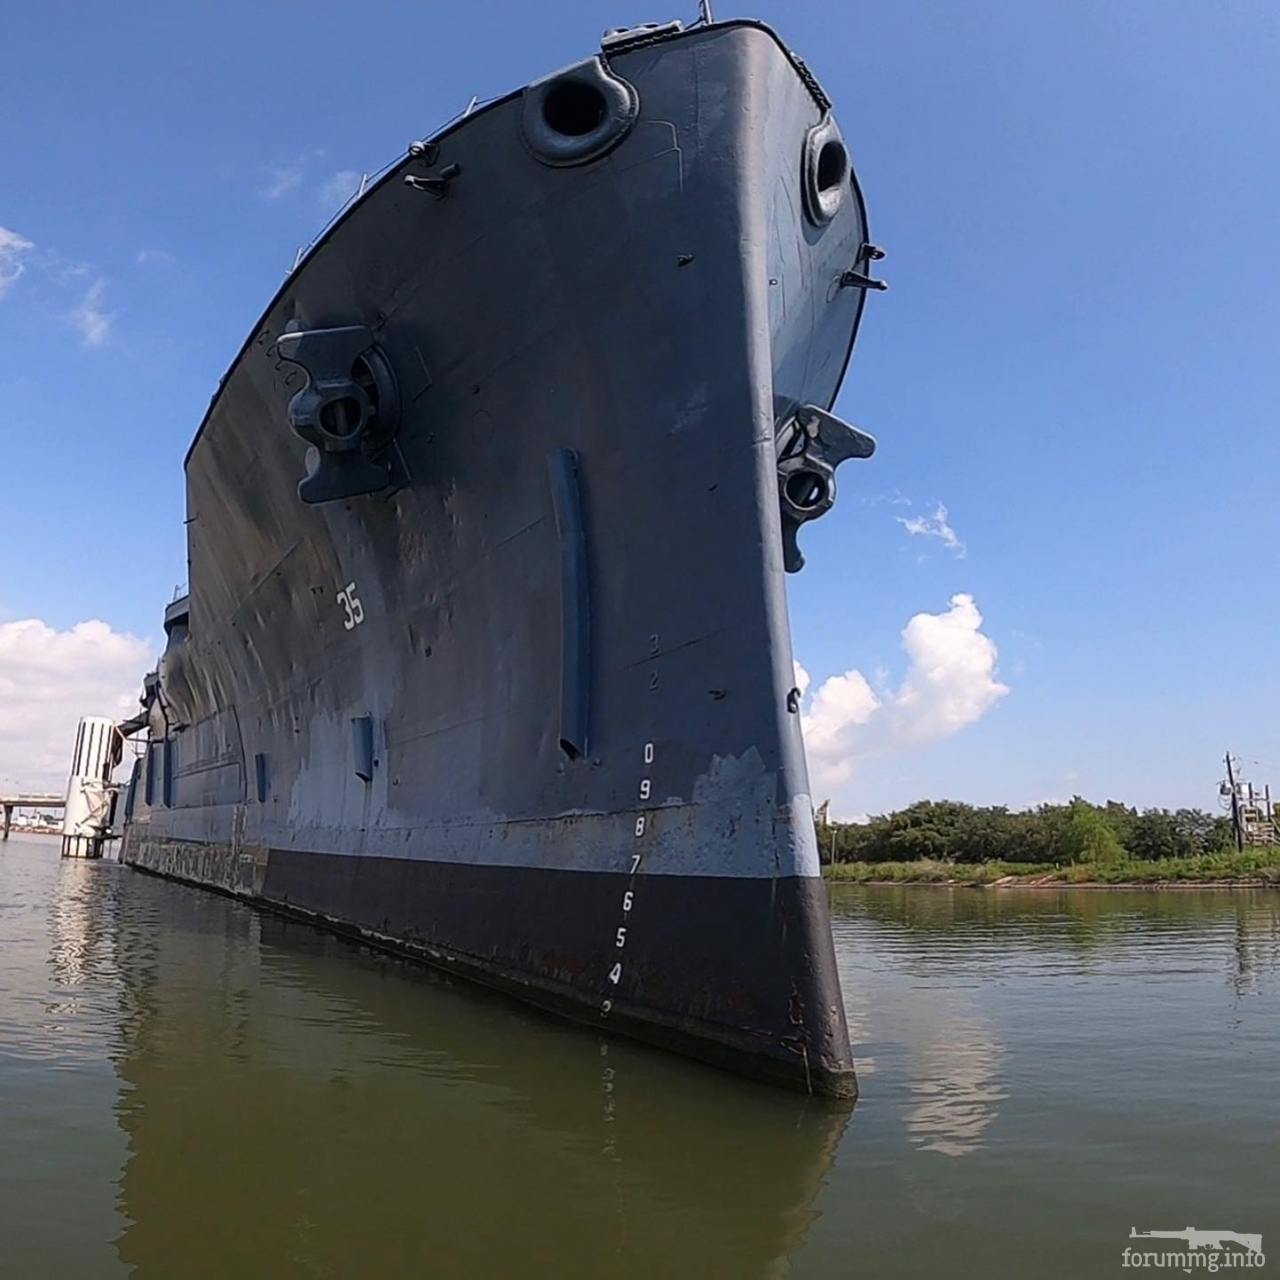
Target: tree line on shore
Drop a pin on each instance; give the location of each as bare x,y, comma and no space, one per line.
951,831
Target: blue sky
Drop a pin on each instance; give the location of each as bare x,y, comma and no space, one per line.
1076,359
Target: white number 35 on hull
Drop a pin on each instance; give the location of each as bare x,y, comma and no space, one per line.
353,610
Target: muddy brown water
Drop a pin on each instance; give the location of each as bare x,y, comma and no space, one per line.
190,1087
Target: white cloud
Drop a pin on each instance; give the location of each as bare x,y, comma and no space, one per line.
950,683
48,680
951,680
835,723
281,180
934,526
89,317
59,276
12,249
154,258
895,499
337,189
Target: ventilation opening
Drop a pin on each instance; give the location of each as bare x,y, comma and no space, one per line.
806,490
833,164
341,417
573,108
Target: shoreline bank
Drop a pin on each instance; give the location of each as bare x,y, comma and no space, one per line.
1241,883
1251,869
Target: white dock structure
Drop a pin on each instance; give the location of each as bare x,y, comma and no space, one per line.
91,796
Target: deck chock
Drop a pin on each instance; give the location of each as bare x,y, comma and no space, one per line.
811,443
348,412
856,280
434,185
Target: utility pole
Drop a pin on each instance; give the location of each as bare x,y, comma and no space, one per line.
822,820
1236,824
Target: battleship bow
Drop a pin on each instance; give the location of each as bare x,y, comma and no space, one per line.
486,656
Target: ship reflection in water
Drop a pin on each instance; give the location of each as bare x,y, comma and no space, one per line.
359,1115
189,1087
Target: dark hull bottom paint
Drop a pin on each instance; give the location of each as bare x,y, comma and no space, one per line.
735,953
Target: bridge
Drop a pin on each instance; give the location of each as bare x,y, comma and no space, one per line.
24,801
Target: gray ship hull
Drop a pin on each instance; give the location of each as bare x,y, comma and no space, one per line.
526,710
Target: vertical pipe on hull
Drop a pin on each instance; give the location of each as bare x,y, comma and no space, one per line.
575,638
362,746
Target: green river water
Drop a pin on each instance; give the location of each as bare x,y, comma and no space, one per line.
189,1087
